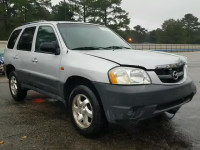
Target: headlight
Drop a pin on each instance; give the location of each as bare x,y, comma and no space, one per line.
128,76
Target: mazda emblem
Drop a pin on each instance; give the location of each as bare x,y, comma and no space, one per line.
175,75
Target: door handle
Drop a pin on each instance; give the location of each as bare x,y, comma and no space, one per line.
16,57
35,60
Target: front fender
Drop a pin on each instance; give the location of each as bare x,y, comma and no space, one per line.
89,67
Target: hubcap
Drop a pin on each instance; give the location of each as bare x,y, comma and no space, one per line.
82,111
13,85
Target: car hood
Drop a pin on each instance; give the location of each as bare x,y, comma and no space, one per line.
146,59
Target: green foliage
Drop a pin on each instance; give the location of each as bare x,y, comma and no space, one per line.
155,36
109,13
191,27
138,34
105,12
82,9
17,12
173,32
184,31
62,12
14,13
190,22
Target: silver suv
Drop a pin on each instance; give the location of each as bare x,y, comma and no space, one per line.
95,73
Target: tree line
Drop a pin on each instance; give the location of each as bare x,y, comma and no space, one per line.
106,12
14,13
180,31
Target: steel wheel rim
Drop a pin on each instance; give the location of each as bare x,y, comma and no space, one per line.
13,85
82,111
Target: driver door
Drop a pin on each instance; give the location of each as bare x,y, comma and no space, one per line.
46,64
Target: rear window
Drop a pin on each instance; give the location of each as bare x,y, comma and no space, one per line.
13,38
26,39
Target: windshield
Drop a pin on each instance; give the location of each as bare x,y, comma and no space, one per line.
90,37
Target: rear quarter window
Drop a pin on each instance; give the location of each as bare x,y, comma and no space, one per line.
13,38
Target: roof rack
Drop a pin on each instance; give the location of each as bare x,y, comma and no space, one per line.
34,22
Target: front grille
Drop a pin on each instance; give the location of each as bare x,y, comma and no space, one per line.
171,73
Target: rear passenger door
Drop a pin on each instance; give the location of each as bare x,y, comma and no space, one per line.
11,54
24,48
46,64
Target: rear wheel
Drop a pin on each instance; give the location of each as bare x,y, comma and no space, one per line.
86,113
16,90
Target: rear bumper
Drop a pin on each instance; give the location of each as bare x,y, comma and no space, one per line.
135,103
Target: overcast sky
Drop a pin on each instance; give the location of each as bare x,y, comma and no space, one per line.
152,13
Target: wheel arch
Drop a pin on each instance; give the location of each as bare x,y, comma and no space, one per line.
74,81
9,69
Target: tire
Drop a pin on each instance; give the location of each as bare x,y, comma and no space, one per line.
16,90
90,120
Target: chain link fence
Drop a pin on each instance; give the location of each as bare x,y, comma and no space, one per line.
157,47
168,47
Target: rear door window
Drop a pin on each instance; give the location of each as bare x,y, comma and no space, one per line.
26,39
13,38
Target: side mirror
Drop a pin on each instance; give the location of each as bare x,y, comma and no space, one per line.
51,47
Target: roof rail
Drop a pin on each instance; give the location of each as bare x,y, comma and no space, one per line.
34,22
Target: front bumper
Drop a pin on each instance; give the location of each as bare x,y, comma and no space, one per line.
135,103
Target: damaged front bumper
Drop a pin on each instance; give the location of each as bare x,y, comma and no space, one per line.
124,104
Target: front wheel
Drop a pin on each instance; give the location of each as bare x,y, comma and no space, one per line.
86,113
16,90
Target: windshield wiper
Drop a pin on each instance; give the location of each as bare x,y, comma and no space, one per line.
88,48
117,47
98,48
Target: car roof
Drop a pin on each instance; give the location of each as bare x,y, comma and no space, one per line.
50,22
